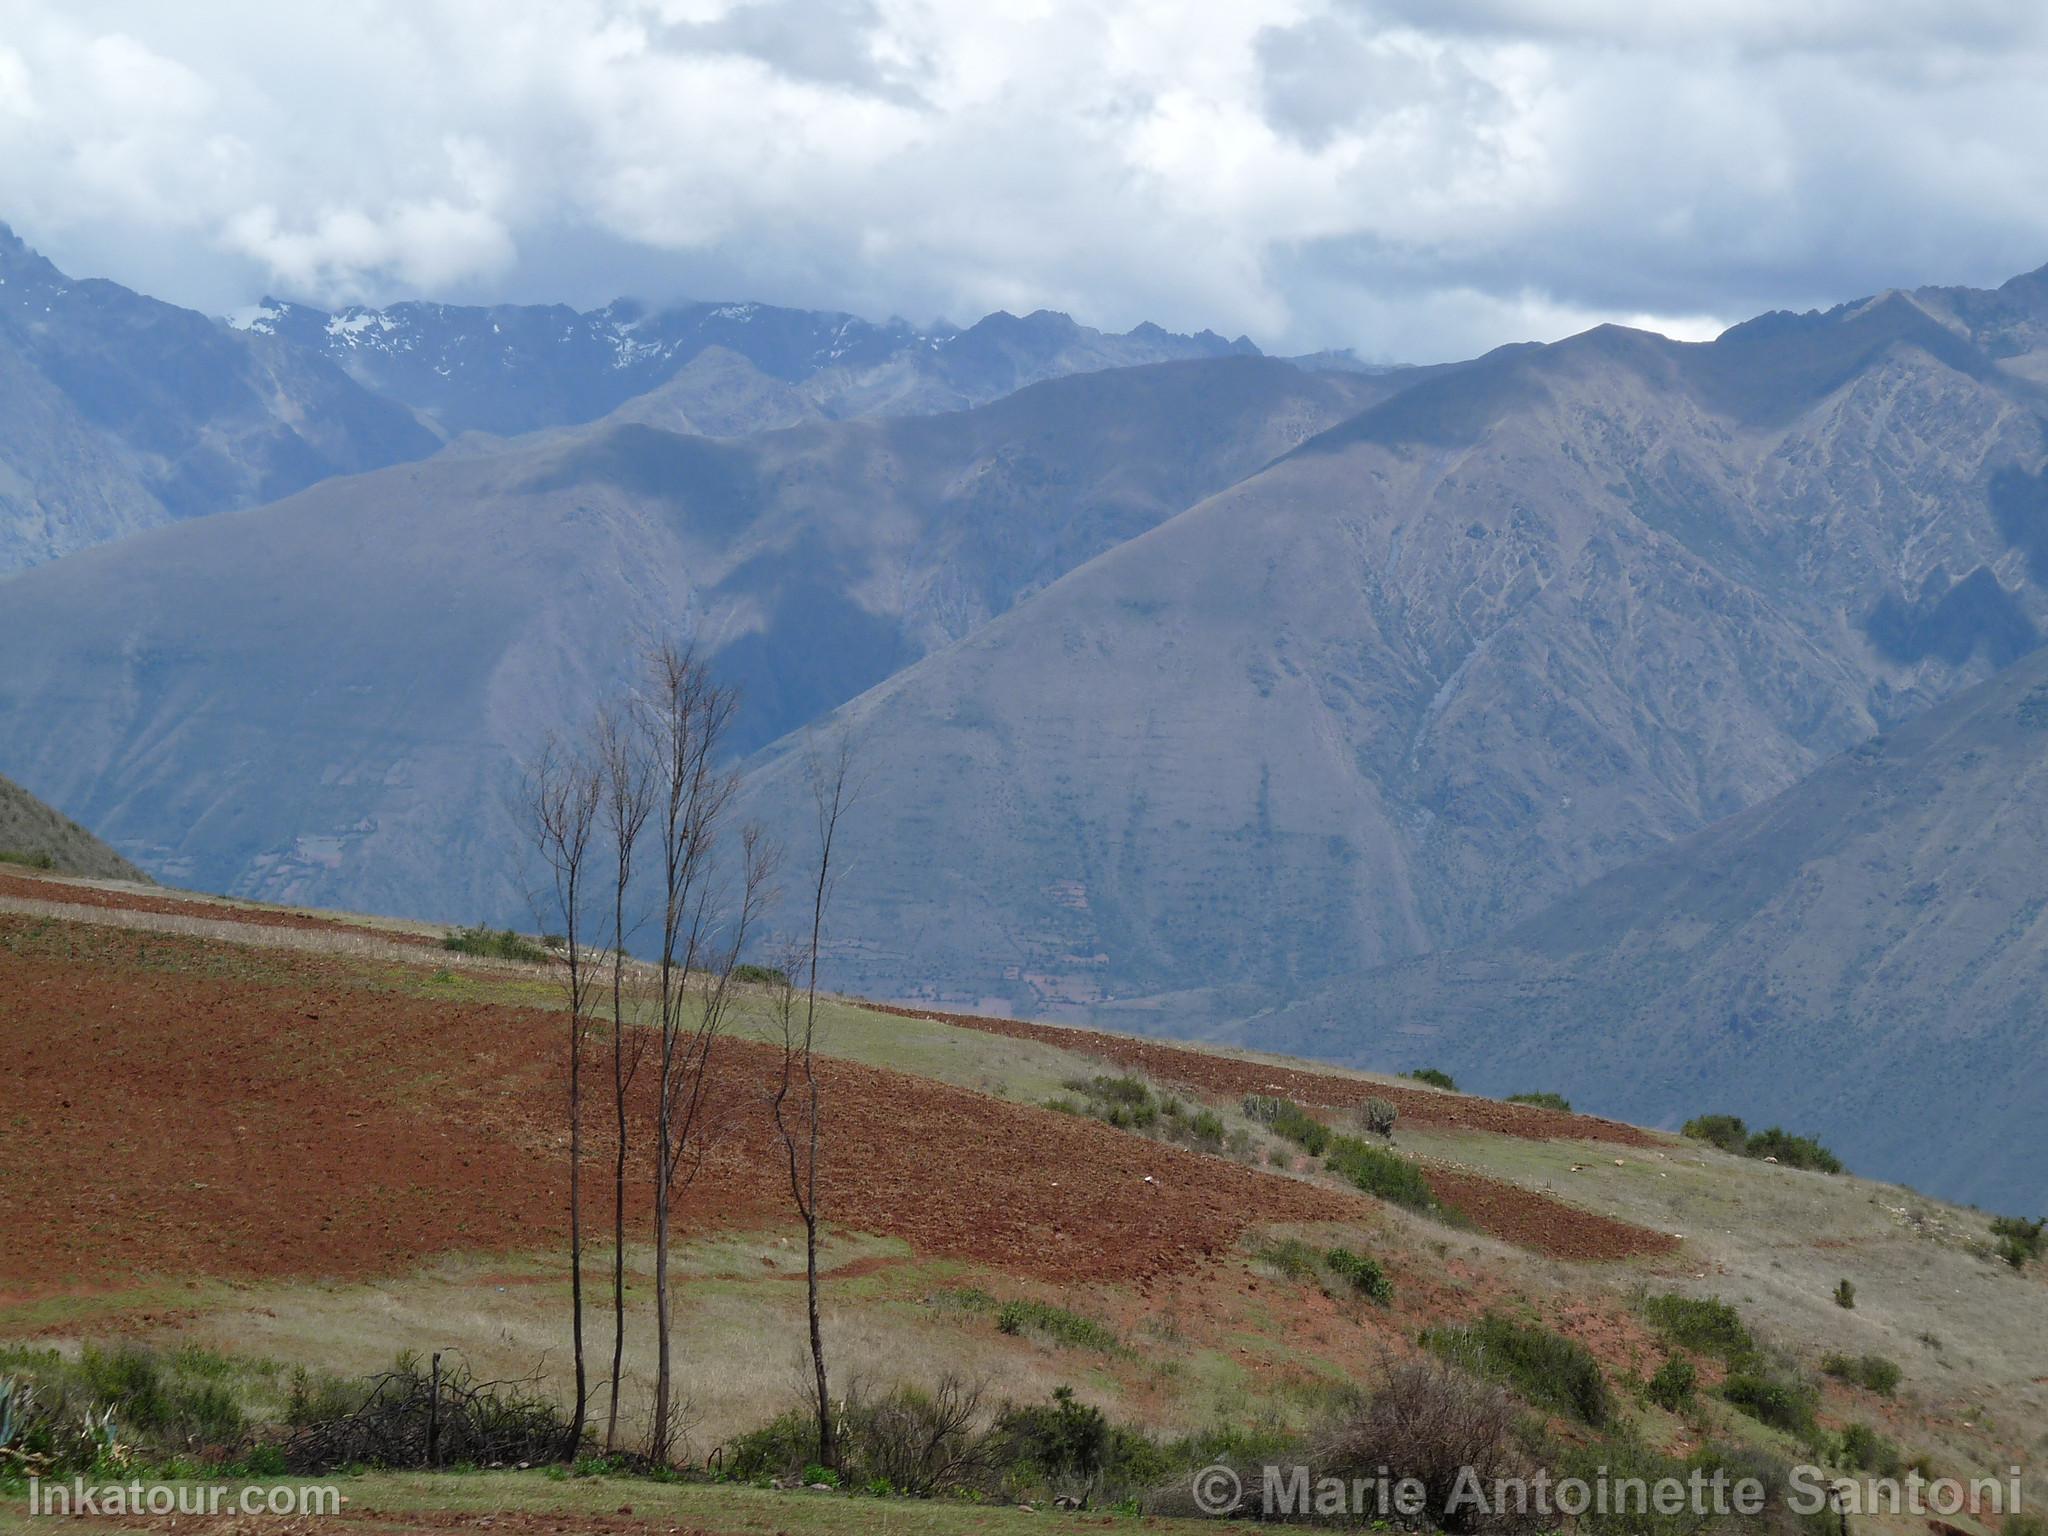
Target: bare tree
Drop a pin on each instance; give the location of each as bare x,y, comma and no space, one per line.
562,792
707,910
627,801
798,1105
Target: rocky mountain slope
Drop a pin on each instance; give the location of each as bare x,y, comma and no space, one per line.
33,834
323,699
1503,633
1862,955
517,368
119,413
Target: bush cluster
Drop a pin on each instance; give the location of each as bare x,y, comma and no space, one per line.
949,1440
1289,1121
1547,1368
1863,1449
1338,1270
1130,1104
1434,1078
1362,1273
1710,1326
1373,1169
1874,1373
1546,1100
1381,1173
1730,1134
1757,1386
1674,1385
60,1414
2019,1239
1041,1319
494,944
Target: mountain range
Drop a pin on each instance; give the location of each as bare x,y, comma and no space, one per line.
518,368
326,697
1218,695
119,413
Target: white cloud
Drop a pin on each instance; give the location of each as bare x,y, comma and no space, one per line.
1418,178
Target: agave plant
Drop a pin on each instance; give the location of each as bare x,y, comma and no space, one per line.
9,1394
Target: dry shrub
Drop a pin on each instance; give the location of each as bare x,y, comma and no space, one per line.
921,1442
1430,1421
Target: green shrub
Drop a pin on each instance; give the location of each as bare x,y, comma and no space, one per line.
1057,1324
1793,1151
1434,1078
1555,1101
761,975
1363,1274
494,944
1673,1386
776,1449
1290,1121
1730,1134
1872,1372
1545,1367
1771,1399
1127,1103
1630,1468
1845,1294
1710,1326
1201,1129
1290,1257
1865,1450
70,1412
1724,1131
2019,1239
1380,1173
30,860
1066,1439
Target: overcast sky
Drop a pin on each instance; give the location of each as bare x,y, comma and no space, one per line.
1420,179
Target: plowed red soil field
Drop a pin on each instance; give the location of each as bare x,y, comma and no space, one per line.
34,889
1223,1076
165,1116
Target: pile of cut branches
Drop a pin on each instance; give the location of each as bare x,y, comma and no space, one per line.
412,1417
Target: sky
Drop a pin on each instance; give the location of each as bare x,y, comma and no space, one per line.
1415,179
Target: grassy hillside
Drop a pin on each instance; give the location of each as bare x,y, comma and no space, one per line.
370,1162
33,836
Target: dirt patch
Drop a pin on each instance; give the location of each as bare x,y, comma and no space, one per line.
1226,1077
76,894
1541,1224
169,1119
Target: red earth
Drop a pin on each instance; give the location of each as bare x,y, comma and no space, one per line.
75,894
180,1108
1227,1077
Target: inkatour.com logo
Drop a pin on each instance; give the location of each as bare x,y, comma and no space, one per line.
80,1498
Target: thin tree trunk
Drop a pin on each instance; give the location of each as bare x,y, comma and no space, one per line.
562,799
576,1217
611,1421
